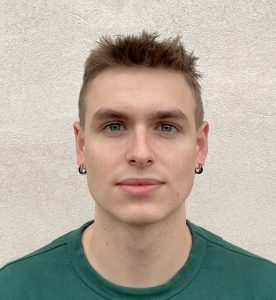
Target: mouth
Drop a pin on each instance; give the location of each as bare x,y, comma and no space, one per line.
139,186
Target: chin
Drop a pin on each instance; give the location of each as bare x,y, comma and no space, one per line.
143,217
140,223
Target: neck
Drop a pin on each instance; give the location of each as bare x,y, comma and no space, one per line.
137,256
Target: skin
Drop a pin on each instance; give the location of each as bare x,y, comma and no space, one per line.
139,241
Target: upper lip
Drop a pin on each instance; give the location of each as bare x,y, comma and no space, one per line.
140,181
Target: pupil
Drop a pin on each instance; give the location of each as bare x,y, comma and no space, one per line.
114,127
167,127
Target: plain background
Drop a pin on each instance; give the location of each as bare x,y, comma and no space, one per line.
43,47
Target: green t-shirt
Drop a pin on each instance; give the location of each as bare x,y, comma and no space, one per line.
215,269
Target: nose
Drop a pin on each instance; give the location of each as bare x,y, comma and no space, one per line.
140,152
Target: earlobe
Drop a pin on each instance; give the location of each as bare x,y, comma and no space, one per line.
202,143
79,141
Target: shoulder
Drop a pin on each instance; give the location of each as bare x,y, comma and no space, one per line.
28,274
36,258
229,250
234,264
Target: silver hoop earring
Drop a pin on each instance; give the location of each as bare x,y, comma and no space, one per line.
199,170
82,169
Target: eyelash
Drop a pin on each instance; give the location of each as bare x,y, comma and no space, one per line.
116,123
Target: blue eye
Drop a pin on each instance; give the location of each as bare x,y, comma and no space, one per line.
168,127
113,126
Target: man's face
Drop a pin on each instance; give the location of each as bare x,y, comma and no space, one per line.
140,123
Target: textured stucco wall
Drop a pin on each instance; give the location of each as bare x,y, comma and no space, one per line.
43,46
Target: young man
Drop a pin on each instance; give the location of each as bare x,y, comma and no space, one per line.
140,141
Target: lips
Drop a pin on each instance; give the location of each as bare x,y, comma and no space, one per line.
140,181
139,186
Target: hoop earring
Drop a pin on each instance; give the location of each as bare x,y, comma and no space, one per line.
199,170
82,169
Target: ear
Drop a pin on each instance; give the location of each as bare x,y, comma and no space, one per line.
79,139
202,143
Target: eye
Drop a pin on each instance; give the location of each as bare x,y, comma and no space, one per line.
113,127
168,128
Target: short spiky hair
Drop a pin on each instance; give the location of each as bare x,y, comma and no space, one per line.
142,50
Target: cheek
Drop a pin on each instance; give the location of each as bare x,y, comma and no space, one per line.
182,174
100,160
97,164
182,161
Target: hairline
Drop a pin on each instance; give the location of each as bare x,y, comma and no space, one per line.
87,83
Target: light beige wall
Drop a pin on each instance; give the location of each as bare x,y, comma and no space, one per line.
43,47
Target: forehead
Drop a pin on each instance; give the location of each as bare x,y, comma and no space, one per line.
140,91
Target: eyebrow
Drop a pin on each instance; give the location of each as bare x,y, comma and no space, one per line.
103,114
